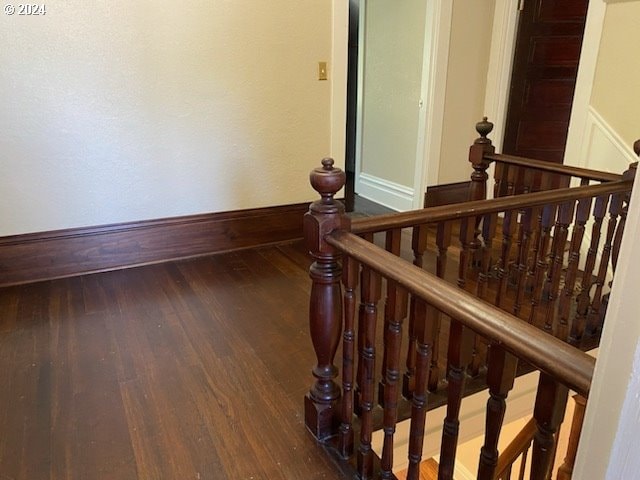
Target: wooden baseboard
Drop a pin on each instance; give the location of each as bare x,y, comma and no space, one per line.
446,194
48,255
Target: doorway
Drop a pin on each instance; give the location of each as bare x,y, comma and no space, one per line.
385,81
543,79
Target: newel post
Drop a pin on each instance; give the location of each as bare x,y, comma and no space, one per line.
325,308
481,146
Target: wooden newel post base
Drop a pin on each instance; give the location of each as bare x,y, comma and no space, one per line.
325,308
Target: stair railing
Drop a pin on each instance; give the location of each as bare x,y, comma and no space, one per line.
344,252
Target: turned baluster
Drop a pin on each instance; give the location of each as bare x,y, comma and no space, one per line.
371,292
550,406
512,175
499,179
443,241
459,356
523,255
349,279
560,233
325,308
466,238
488,232
548,218
425,336
524,232
395,312
582,215
579,324
360,335
508,228
537,233
501,374
593,318
392,245
419,245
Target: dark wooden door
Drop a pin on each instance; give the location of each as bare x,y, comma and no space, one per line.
544,77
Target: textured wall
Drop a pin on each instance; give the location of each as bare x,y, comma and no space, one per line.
119,111
470,45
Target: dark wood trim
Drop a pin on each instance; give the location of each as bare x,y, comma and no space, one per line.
446,194
46,255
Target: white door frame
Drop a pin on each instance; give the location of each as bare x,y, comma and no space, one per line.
503,45
431,113
435,62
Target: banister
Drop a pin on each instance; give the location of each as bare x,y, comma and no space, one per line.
549,354
520,442
481,207
551,167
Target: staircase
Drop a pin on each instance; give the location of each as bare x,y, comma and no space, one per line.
528,289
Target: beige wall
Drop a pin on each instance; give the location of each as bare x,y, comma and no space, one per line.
393,45
616,87
466,82
120,111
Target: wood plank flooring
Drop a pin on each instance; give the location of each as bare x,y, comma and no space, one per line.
186,370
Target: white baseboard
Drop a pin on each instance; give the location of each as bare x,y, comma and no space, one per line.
390,194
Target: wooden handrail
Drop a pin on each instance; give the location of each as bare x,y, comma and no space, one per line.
596,175
481,207
521,441
563,362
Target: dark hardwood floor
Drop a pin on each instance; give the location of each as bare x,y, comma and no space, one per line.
186,370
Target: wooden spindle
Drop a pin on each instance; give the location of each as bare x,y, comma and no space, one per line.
500,183
370,285
349,279
508,228
369,237
488,233
593,318
325,308
577,235
419,245
443,241
395,312
425,341
467,231
393,240
537,233
548,218
526,226
459,356
552,284
579,324
566,469
550,406
512,175
501,374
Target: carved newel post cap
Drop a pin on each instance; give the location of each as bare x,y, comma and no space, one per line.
636,147
484,128
327,180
